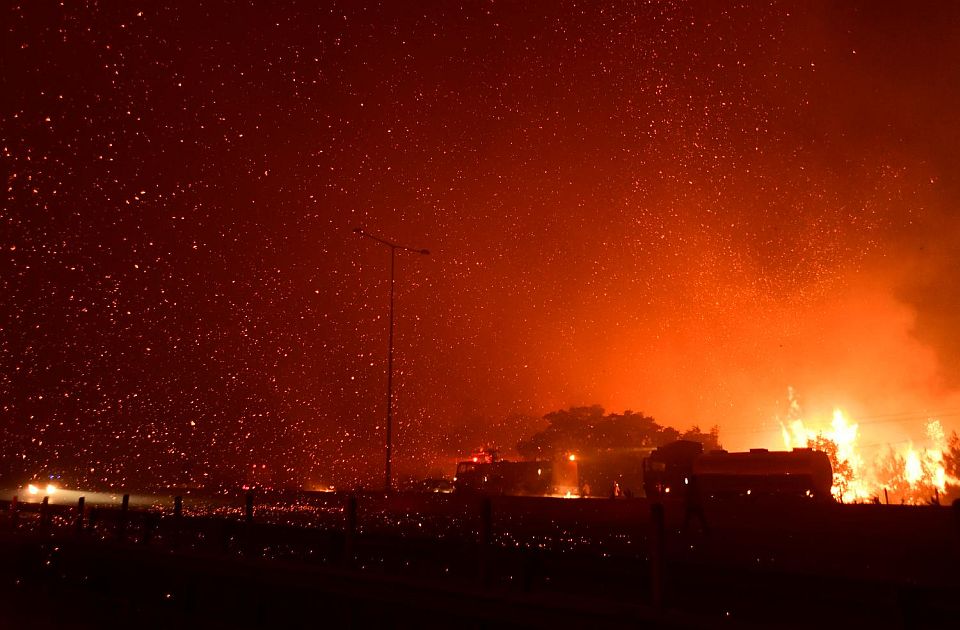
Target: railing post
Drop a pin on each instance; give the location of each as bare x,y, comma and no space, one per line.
484,539
81,507
177,520
149,525
247,535
955,508
14,512
122,522
92,518
45,514
248,510
656,554
349,528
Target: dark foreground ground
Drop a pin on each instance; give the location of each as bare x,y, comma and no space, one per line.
338,560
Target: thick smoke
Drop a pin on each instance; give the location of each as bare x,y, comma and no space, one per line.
931,286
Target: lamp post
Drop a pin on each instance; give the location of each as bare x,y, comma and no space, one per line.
388,482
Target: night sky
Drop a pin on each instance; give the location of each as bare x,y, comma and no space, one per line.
681,209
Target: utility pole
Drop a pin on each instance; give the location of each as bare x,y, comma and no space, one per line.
388,479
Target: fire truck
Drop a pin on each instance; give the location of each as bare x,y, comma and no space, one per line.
678,470
681,468
487,473
613,472
668,468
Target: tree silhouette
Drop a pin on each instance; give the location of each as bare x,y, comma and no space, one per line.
589,430
889,473
710,441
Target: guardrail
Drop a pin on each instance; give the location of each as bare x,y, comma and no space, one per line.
627,552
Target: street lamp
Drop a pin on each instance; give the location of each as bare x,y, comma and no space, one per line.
388,483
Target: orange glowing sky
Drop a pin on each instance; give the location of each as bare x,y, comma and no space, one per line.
676,208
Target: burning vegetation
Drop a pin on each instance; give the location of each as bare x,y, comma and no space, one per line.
900,472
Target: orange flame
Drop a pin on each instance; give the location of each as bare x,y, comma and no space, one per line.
840,442
909,473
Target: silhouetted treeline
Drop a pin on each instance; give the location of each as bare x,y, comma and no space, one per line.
586,430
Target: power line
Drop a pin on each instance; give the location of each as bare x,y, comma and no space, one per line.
863,420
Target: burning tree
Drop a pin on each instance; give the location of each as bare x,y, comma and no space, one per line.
951,463
889,471
952,456
912,476
843,474
839,442
910,473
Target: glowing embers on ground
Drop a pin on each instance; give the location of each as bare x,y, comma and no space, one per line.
899,473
